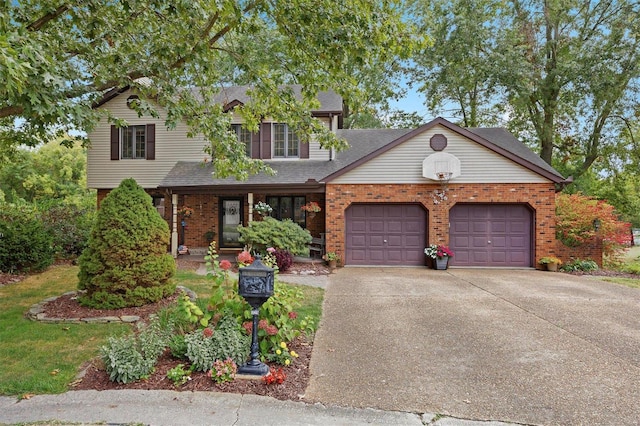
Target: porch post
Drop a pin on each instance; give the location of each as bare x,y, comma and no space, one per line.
250,201
174,225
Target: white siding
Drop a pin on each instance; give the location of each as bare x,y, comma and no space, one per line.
403,163
171,146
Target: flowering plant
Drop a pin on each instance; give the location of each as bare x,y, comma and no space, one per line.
244,259
263,208
275,376
223,371
549,259
282,354
438,251
311,207
185,211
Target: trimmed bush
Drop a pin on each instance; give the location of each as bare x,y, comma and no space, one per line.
25,244
126,262
270,232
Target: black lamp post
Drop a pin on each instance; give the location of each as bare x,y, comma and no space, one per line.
255,284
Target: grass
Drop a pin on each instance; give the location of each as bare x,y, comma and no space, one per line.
631,264
37,358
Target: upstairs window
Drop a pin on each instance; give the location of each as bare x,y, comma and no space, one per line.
133,142
244,136
286,143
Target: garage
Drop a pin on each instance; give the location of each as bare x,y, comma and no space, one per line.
385,234
491,235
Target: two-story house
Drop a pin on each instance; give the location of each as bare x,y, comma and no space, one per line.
481,191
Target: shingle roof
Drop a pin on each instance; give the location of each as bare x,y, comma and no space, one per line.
329,100
362,142
363,145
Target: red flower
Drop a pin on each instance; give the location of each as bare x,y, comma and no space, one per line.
262,324
293,315
272,330
245,257
248,325
274,376
225,265
207,332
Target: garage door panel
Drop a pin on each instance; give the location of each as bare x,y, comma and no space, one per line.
403,226
358,241
508,227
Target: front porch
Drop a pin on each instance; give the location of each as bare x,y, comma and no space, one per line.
215,217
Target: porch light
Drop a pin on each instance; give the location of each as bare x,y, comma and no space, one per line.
596,224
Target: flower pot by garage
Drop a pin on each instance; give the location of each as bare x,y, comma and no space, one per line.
442,263
332,264
553,267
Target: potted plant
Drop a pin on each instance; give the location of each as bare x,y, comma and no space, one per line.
209,235
440,254
551,263
332,259
185,211
311,208
262,208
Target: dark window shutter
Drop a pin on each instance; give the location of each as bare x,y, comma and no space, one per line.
115,143
266,141
151,142
304,149
255,145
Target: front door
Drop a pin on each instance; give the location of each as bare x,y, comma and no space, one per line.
231,213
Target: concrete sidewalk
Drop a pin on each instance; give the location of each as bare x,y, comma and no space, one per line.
171,408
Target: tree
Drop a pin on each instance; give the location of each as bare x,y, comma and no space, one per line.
51,171
564,71
126,262
575,215
57,60
458,69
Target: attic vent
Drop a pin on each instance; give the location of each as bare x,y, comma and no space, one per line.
438,142
132,101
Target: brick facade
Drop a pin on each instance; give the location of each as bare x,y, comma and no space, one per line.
206,214
539,197
590,250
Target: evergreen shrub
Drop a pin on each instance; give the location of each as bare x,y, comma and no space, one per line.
126,262
279,234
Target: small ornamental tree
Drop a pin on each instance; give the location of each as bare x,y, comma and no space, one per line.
575,215
126,262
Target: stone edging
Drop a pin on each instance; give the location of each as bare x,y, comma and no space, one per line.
36,313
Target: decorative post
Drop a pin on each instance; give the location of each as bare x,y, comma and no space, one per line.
256,285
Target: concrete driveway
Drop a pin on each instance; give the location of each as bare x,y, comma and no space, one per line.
518,346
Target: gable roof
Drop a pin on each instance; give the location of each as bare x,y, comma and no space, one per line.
497,140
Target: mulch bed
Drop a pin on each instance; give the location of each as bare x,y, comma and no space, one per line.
94,377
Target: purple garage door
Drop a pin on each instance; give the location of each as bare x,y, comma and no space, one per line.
385,234
490,235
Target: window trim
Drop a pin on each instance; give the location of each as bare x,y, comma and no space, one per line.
240,131
134,142
287,134
149,143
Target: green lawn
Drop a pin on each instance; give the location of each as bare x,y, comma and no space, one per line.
631,264
40,358
37,357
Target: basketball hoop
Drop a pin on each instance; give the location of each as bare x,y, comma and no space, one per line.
441,195
444,176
